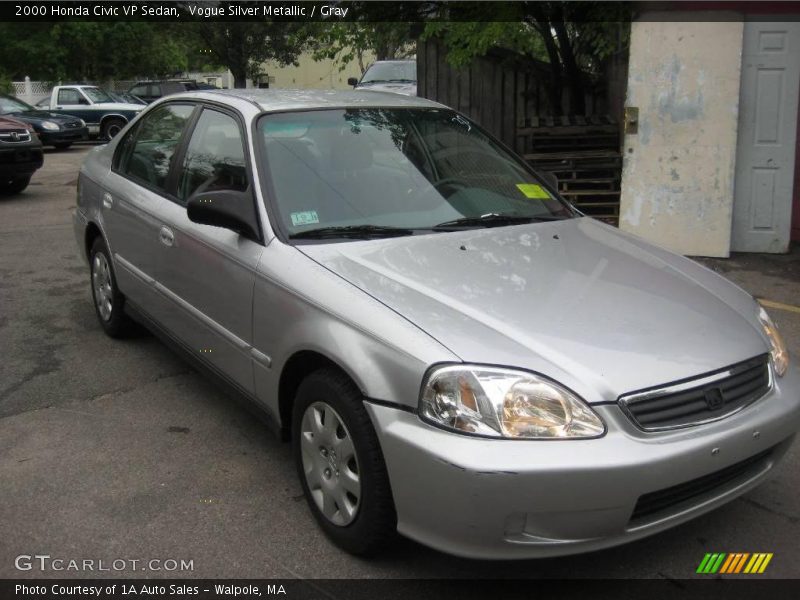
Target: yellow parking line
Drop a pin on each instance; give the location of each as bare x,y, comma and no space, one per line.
778,305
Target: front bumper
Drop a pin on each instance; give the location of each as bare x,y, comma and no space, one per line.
501,499
64,136
20,160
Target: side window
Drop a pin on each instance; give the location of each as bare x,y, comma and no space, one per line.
149,157
155,90
70,96
139,90
214,158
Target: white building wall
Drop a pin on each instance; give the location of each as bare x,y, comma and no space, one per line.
678,170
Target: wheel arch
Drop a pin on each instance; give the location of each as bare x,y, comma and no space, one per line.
92,232
295,369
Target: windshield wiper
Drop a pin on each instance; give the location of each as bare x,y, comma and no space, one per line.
494,220
355,231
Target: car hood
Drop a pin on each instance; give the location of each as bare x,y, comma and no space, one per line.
38,116
577,300
11,123
407,89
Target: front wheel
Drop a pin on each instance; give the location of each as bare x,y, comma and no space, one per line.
15,185
112,127
340,463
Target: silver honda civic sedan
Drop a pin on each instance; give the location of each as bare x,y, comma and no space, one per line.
455,352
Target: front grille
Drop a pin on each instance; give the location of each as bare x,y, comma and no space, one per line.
701,399
20,135
671,497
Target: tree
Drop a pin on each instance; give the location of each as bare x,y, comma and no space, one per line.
243,47
90,51
574,38
348,41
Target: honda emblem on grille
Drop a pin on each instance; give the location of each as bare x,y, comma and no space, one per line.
14,136
714,398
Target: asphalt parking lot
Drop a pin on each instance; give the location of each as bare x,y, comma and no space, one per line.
118,450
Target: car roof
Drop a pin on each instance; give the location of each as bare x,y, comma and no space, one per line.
273,100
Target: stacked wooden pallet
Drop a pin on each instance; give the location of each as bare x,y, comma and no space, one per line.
584,154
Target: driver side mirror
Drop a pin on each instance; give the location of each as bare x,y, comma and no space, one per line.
228,209
83,101
352,81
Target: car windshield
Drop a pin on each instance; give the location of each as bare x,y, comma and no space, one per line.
391,71
12,105
411,169
97,95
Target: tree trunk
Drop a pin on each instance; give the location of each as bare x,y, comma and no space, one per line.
574,75
543,27
239,76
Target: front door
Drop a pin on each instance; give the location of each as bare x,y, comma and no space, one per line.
766,138
207,273
71,101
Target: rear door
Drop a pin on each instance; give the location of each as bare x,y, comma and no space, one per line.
208,273
134,195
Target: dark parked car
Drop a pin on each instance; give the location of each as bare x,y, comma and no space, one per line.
20,155
53,129
127,97
153,90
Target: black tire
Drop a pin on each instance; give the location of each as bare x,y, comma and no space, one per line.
16,185
116,324
62,145
112,127
375,523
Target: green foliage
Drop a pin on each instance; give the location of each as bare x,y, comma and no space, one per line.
88,51
5,84
466,40
243,47
348,41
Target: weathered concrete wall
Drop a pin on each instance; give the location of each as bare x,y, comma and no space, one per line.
678,171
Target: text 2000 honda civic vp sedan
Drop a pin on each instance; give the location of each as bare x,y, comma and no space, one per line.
455,352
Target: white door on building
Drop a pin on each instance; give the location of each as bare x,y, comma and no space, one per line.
765,152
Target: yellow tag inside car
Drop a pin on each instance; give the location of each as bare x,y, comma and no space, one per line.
533,190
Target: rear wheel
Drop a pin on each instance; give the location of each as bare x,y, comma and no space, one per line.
340,463
112,127
109,303
15,185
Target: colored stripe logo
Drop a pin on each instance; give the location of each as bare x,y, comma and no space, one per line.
734,563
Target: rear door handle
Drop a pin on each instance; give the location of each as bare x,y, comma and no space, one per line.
166,236
107,200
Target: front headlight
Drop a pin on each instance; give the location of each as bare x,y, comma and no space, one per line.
778,352
505,403
50,126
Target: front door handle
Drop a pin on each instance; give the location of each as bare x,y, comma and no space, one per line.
166,236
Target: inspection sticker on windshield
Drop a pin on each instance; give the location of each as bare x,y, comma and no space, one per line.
533,190
308,217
